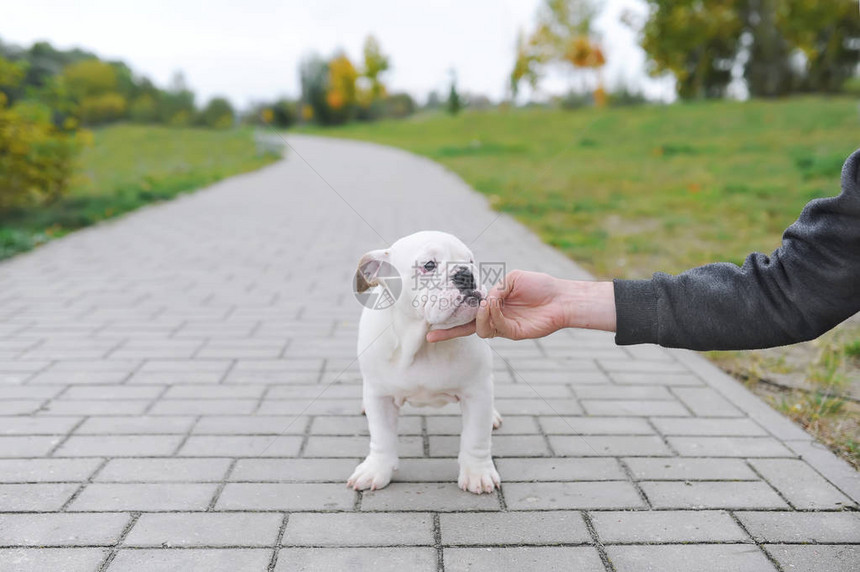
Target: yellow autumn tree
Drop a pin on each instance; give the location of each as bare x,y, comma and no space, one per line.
341,92
563,35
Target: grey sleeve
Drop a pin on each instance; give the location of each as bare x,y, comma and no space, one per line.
804,288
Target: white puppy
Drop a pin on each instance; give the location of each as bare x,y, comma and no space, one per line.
438,289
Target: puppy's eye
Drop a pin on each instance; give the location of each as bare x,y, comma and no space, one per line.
430,266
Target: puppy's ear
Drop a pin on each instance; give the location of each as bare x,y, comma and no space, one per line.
366,275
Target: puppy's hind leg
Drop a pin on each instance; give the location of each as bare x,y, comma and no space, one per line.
477,472
376,470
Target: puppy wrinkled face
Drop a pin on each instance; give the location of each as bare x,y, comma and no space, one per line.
442,283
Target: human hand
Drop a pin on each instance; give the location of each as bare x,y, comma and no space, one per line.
529,305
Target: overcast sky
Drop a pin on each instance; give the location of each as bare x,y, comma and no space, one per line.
250,50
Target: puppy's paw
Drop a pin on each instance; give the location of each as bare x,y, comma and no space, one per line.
497,419
478,476
373,473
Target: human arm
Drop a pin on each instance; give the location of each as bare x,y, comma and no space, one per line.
529,305
804,288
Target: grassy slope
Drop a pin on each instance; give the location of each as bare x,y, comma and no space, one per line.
627,192
128,166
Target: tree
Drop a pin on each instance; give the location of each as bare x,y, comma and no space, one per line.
93,85
341,93
313,77
176,105
828,35
217,114
454,102
694,40
37,158
563,36
768,69
699,41
375,64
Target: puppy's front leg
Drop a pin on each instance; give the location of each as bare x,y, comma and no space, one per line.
477,472
375,471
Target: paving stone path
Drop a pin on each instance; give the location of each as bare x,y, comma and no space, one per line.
179,392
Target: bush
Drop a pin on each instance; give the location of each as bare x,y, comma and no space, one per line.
36,158
399,105
96,109
217,114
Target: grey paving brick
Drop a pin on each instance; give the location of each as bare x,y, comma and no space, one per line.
27,445
648,378
170,530
113,392
651,408
560,469
381,559
347,446
743,495
503,446
800,484
42,559
190,560
80,377
641,366
584,558
832,558
572,495
118,446
702,446
802,527
35,497
204,406
246,391
500,528
61,529
674,469
438,497
250,425
555,425
20,406
143,497
294,470
741,427
522,391
625,392
452,425
427,470
660,527
538,406
683,557
163,470
138,425
608,445
286,496
46,470
102,407
241,446
171,377
359,529
309,407
357,425
705,402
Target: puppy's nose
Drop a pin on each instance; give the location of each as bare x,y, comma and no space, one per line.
463,279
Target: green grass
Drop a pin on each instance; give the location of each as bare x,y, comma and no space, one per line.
129,166
630,191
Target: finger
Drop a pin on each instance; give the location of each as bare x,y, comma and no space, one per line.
498,320
503,288
451,333
482,320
